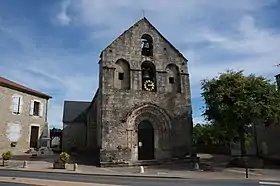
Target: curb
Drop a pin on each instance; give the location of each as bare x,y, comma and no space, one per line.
131,175
91,174
243,172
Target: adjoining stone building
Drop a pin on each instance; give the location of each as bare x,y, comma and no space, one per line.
142,108
23,117
74,131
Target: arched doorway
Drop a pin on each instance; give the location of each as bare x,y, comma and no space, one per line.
145,141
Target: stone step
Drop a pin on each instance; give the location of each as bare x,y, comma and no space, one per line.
148,162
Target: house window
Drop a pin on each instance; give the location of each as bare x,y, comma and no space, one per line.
17,103
37,108
171,80
121,76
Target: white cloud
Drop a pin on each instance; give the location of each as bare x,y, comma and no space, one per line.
260,44
65,86
48,70
221,28
198,120
63,16
214,35
193,22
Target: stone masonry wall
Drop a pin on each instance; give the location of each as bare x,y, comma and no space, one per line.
74,137
92,124
269,135
116,103
25,120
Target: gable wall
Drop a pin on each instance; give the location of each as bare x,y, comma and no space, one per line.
116,103
128,46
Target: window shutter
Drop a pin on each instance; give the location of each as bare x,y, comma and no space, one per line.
31,107
15,105
41,109
20,104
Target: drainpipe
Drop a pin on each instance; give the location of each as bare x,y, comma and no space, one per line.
46,113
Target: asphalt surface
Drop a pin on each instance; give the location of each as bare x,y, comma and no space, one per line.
14,184
122,180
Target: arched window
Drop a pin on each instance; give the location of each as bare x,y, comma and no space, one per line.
148,76
122,75
173,78
147,45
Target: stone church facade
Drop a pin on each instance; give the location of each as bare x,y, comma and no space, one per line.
142,108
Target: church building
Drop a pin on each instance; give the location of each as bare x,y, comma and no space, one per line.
142,108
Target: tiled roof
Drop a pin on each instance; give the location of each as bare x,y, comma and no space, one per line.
13,85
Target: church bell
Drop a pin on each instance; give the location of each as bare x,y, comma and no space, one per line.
146,74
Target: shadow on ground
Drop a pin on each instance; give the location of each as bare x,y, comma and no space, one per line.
207,163
89,157
86,159
217,163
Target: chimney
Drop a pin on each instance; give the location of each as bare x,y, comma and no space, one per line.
277,77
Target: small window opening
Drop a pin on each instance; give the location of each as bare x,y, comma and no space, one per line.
121,76
171,80
147,45
13,144
36,108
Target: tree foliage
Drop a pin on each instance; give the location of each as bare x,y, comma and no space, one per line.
209,134
234,102
213,134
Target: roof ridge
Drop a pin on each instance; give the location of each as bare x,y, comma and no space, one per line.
16,86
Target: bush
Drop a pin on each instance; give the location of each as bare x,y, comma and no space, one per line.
7,155
64,157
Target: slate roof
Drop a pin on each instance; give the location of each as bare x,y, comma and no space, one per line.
75,111
13,85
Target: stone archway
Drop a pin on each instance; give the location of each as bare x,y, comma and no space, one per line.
159,122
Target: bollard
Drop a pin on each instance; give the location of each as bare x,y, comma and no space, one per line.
75,167
142,169
24,164
196,166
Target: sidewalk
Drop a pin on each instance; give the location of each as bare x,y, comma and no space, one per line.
151,171
43,182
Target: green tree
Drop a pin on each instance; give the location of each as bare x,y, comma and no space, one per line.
203,134
210,134
234,102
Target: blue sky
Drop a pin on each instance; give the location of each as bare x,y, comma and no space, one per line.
53,46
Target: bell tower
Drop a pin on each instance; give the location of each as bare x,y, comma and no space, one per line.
148,76
145,102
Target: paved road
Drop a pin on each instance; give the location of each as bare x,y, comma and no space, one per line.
14,184
121,180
